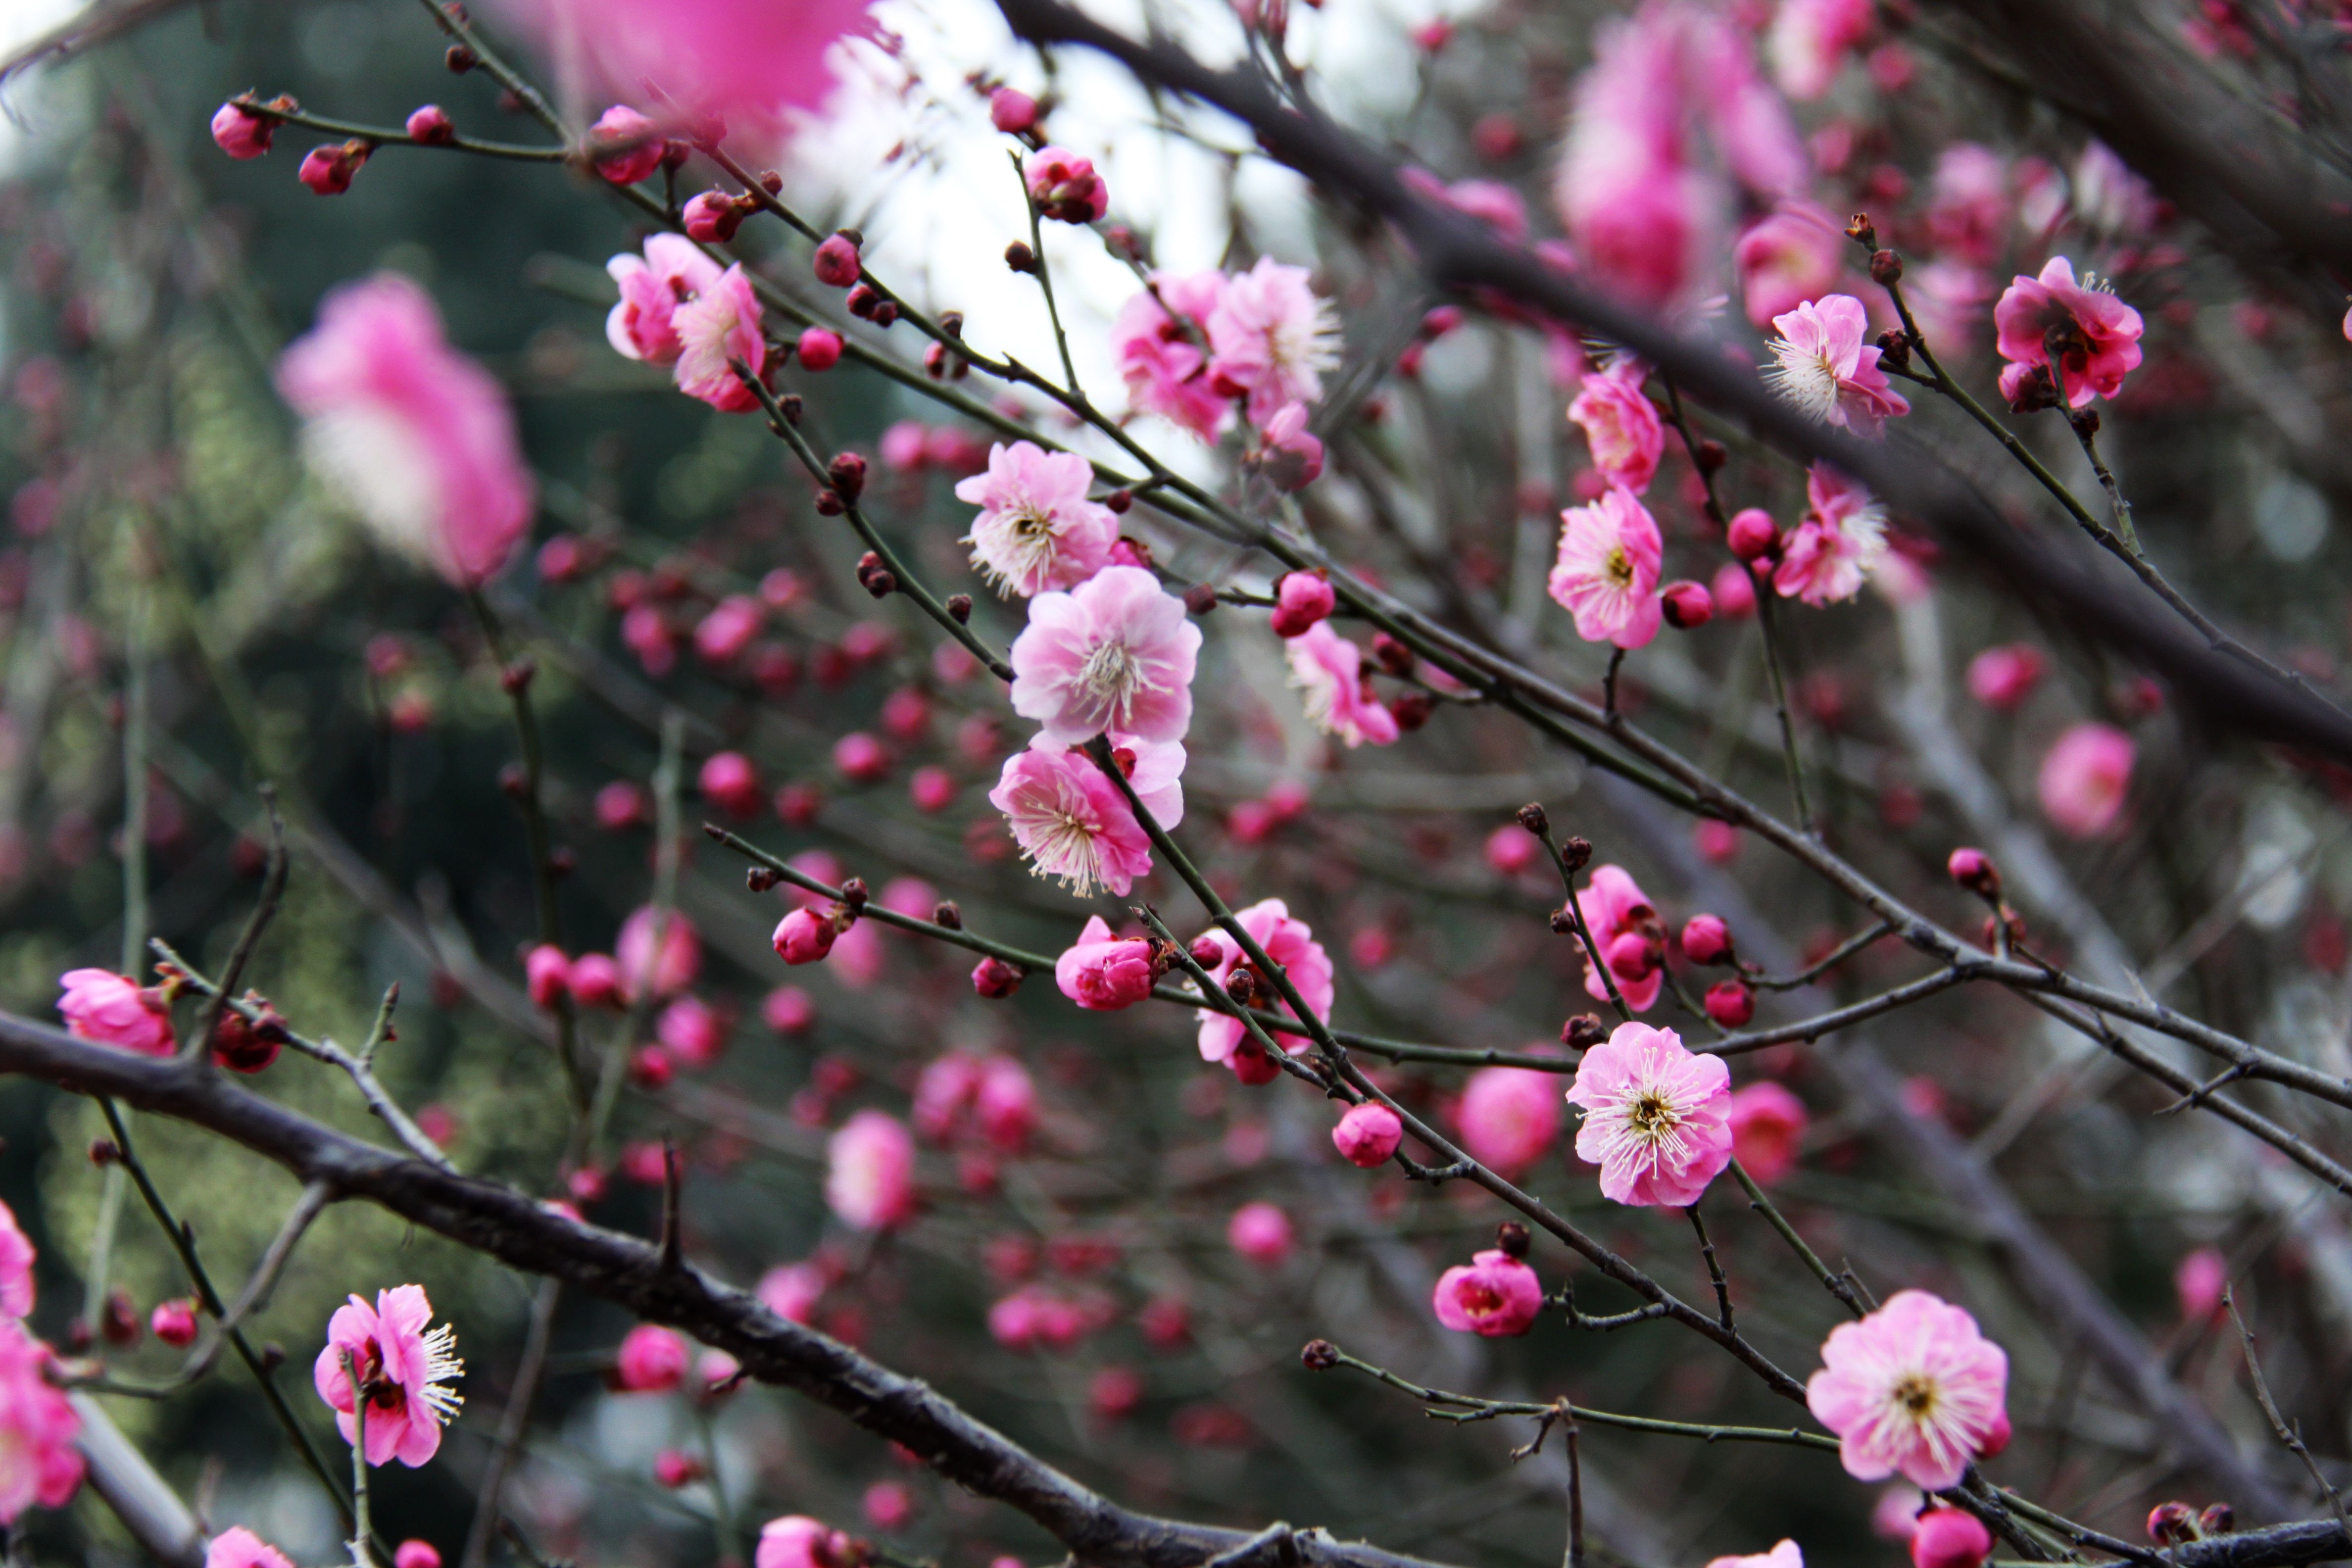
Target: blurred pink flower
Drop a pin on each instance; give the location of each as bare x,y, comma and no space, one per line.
719,324
1607,572
1071,822
99,1005
1064,185
1291,457
418,437
797,1541
1620,424
1654,1116
2097,334
1784,1555
1767,1124
1328,671
869,1178
1915,1388
2001,678
720,636
1103,973
240,132
2109,200
1115,653
1950,1537
652,1359
1614,906
16,1256
1036,530
2086,779
37,1429
409,1365
642,325
1005,1104
670,971
1368,1134
1809,38
1948,298
2199,1280
1164,357
1790,255
238,1547
1260,1233
1493,1295
1271,339
1507,1117
792,1290
1841,536
1827,369
1291,945
1970,208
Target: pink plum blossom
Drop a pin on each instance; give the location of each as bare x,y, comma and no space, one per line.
409,1366
1784,1555
624,145
869,1177
1767,1124
1493,1295
242,133
1828,369
2097,336
1036,530
1507,1117
1654,1117
1620,424
664,970
719,324
797,1541
1291,456
1260,1233
16,1256
1271,339
1071,822
1328,671
1841,538
2086,779
1615,907
2001,678
652,1359
1950,1537
2199,1280
2109,200
1948,300
238,1547
1607,572
99,1005
1368,1134
1288,942
792,1290
720,636
1103,973
672,268
547,975
1970,208
1912,1388
1792,254
1064,185
1160,340
37,1429
1809,38
1005,1104
1117,652
418,438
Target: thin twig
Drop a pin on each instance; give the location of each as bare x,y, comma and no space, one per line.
2291,1435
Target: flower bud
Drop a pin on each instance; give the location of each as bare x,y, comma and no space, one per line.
1020,257
1301,600
173,1322
820,350
1512,1238
947,914
804,936
1119,500
1752,533
1012,111
1710,454
1707,940
547,973
1241,986
863,302
1391,655
1533,817
429,127
855,895
242,132
847,474
1199,599
459,60
1861,231
959,608
1685,606
1894,348
1319,1355
836,262
1947,1538
1207,953
712,217
1886,268
1974,869
327,171
1576,853
1412,709
1368,1134
995,979
2170,1524
2218,1519
1631,956
1730,1003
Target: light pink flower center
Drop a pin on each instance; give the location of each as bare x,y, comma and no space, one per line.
1114,676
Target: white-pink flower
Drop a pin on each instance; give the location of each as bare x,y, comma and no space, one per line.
1654,1117
1071,822
1288,942
1271,339
1828,369
408,1365
870,1175
720,324
1507,1117
1810,37
1115,653
1607,572
1841,536
2086,778
115,1010
418,438
1620,424
1913,1388
1328,671
672,270
1036,530
1161,340
37,1429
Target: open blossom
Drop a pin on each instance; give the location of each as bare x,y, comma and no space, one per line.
1615,908
1970,208
1494,1294
1841,538
652,1359
1654,1116
2095,335
671,270
1161,340
1072,823
1607,572
870,1175
238,1547
410,1366
1620,424
719,324
1103,973
1508,1116
1790,255
1912,1388
1829,370
1809,38
1767,1124
99,1005
2086,779
1115,653
1036,530
797,1541
1784,1555
1288,942
1328,671
418,438
37,1427
1272,338
16,1255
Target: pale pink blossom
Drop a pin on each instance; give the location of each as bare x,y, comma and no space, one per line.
1103,973
2097,336
418,438
2198,1280
1767,1124
1328,671
1784,1555
662,971
2109,200
652,1359
1841,538
869,1178
112,1009
1654,1117
1291,456
1271,339
1368,1134
671,270
1809,39
1493,1295
1161,340
719,324
1794,254
1829,370
16,1256
797,1541
1291,945
2001,678
1970,208
1607,571
1115,653
1507,1117
238,1547
792,1290
1948,300
1620,424
1036,530
1912,1388
37,1429
1615,907
2086,779
1071,822
1260,1233
409,1366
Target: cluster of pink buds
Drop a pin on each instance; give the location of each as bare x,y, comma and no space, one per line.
1064,186
1302,599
